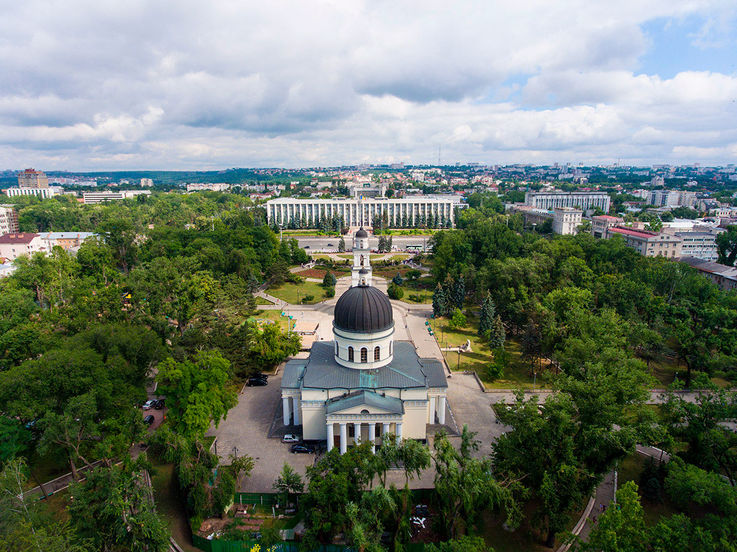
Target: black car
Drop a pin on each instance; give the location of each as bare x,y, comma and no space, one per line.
256,382
261,376
148,420
301,449
159,404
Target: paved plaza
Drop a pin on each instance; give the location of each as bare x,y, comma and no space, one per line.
255,426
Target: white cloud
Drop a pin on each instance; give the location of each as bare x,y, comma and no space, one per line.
177,84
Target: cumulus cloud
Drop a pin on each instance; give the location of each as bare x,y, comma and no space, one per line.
93,84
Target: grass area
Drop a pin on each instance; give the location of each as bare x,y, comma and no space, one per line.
516,370
170,506
45,468
294,293
262,301
273,315
425,297
56,505
630,469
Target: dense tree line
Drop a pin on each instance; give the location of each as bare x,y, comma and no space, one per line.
165,287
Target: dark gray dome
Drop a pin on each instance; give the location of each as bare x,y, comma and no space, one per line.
361,233
363,309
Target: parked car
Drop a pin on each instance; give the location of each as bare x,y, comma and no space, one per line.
307,246
148,420
160,404
290,438
256,382
148,405
261,376
330,245
301,449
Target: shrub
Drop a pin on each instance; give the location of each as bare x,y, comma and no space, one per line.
395,292
307,298
330,292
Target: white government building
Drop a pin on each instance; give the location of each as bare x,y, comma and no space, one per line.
363,384
360,211
579,200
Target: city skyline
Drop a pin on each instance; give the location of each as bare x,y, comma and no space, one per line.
93,86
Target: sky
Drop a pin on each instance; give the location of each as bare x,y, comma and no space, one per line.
144,84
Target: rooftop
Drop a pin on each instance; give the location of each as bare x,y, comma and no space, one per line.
320,371
20,237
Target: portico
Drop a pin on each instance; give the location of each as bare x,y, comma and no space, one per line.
347,430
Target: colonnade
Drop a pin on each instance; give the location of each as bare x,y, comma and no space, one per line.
343,433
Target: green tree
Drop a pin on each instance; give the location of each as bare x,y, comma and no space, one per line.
458,319
727,246
459,291
398,279
341,245
288,482
329,280
197,392
115,510
496,335
486,317
394,291
462,544
439,301
465,485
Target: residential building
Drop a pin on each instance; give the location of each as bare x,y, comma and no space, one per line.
699,239
566,220
723,276
664,198
69,241
93,198
361,212
8,219
13,245
208,186
601,223
147,182
43,193
31,178
580,200
649,244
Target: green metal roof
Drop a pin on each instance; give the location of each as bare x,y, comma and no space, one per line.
369,399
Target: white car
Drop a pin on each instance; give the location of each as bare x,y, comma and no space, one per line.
149,404
290,438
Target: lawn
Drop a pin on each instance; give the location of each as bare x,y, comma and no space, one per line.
169,505
262,301
516,370
294,293
273,315
630,469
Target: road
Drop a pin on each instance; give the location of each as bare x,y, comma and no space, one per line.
331,244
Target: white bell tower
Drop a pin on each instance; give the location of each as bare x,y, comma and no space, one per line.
361,269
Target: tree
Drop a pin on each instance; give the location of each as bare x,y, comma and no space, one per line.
496,335
115,510
25,526
394,291
197,392
439,301
621,528
727,246
398,280
459,291
486,317
288,482
365,519
14,439
382,244
465,485
458,320
329,280
463,544
341,245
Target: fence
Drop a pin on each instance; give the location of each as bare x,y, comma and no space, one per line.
267,499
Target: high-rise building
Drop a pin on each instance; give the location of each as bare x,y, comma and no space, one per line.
8,219
31,178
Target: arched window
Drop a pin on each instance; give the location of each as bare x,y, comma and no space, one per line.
377,353
361,260
350,354
364,354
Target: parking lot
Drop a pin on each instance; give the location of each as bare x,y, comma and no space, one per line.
246,431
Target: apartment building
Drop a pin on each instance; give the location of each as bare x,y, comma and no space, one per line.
579,200
31,178
93,198
723,276
8,219
600,224
649,244
566,220
13,245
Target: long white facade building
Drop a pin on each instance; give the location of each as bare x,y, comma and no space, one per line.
578,200
357,212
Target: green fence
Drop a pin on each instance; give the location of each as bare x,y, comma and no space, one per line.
267,499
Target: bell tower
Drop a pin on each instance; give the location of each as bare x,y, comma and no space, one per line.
361,269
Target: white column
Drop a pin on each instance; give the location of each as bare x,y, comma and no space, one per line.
356,433
372,435
343,438
285,409
331,438
432,410
441,410
384,431
399,431
297,411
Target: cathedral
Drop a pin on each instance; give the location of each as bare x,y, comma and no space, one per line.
363,384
